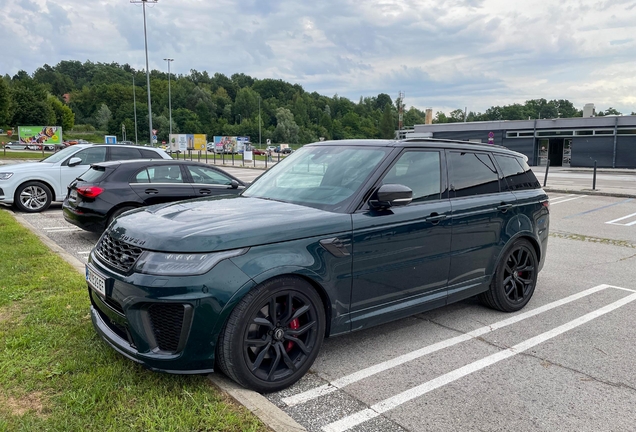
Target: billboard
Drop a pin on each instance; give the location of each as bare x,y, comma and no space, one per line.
40,134
200,142
230,144
110,139
185,142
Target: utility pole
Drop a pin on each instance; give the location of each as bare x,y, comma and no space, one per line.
135,108
259,122
143,3
169,60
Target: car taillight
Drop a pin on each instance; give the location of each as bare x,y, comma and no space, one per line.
546,204
89,191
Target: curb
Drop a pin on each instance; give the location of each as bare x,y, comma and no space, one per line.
590,192
272,416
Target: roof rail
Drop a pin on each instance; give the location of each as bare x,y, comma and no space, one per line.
453,141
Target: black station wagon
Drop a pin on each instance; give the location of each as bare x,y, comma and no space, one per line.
338,237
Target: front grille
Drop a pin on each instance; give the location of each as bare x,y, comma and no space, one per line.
117,254
167,322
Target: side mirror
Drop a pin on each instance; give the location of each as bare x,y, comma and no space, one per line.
74,161
391,195
234,184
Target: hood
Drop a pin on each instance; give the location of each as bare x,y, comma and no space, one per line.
224,223
29,166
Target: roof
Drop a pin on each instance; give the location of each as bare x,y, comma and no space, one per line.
416,142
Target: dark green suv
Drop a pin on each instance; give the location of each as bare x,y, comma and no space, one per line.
338,237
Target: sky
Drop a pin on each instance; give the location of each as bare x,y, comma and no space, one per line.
442,54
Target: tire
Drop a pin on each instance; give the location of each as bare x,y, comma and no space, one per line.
515,278
32,197
118,212
266,354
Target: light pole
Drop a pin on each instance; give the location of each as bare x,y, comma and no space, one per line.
135,108
240,119
169,60
259,122
143,3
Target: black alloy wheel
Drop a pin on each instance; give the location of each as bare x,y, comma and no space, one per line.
515,278
273,335
33,197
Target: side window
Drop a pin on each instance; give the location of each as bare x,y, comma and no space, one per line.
165,174
515,177
124,153
420,171
531,177
91,155
205,175
149,154
472,174
142,177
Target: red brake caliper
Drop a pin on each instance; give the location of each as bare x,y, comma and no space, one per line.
294,324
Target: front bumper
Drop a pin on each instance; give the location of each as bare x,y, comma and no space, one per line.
167,324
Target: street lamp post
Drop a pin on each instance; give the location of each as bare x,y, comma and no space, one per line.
259,122
169,60
135,108
143,3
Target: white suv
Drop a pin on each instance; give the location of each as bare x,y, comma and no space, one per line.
31,187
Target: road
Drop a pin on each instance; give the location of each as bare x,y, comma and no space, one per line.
566,362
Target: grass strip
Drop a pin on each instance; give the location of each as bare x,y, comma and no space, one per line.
56,374
37,155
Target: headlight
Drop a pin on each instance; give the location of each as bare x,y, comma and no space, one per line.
182,264
5,176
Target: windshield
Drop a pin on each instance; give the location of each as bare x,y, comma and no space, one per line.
61,155
324,177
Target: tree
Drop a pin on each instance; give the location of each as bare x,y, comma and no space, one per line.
30,110
286,128
387,123
5,103
102,117
64,116
609,111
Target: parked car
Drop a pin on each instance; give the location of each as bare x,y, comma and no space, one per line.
39,146
271,148
109,189
15,146
373,231
31,187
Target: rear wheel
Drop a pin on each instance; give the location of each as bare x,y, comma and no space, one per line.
33,197
273,335
118,212
515,278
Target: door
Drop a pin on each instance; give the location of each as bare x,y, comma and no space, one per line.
161,183
88,156
480,213
207,181
401,255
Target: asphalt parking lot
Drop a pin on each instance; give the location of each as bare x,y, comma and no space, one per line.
565,362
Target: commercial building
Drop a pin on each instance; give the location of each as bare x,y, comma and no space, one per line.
576,142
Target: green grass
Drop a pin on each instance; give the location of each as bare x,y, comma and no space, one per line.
56,374
37,155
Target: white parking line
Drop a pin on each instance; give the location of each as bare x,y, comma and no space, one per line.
381,367
84,253
557,201
55,230
401,398
613,222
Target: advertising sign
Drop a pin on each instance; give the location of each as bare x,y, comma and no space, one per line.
110,139
230,144
179,142
40,134
200,142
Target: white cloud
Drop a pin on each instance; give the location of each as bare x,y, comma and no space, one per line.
450,54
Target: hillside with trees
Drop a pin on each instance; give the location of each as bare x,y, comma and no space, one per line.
99,96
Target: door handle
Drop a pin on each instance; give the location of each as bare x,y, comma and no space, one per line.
151,191
205,191
504,207
435,218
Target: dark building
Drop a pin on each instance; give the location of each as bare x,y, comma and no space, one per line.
576,142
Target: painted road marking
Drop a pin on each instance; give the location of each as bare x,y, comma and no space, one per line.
84,253
55,230
408,395
633,215
559,201
381,367
599,208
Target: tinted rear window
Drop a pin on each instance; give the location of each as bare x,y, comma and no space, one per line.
93,175
149,154
515,177
531,177
124,153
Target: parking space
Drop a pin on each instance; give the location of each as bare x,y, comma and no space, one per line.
565,362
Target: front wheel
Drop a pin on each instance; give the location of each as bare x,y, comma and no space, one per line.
33,197
515,278
273,335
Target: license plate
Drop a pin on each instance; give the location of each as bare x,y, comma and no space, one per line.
73,195
95,281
